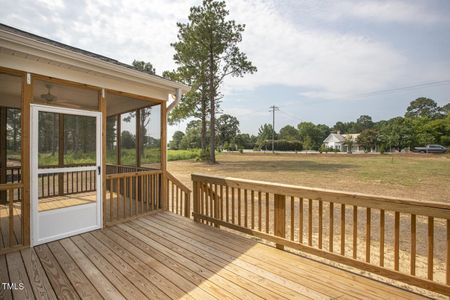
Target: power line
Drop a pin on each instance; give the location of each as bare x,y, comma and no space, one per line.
291,116
410,87
273,109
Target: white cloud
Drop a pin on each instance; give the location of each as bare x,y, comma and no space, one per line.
388,11
324,62
327,62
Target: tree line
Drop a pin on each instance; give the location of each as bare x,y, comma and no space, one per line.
424,122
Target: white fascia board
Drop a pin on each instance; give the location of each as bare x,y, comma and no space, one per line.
32,47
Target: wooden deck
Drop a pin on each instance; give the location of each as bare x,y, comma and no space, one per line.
164,256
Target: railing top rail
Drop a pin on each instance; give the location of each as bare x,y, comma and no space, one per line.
178,183
426,208
9,186
131,174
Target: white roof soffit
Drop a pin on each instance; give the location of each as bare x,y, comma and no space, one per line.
29,46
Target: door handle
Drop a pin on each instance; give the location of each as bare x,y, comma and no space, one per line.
99,170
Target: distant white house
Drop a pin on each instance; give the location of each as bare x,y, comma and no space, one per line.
337,141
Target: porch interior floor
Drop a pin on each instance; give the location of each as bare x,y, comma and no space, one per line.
67,200
165,256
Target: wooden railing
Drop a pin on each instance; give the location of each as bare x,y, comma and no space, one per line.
13,174
385,236
59,184
11,221
179,196
114,169
131,194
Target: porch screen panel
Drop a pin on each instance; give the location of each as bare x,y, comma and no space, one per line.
79,140
150,124
111,140
128,139
48,139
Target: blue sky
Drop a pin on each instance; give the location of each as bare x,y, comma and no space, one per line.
319,61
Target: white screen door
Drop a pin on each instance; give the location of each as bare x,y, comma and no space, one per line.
65,172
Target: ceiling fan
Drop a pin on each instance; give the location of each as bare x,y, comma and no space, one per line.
52,99
48,96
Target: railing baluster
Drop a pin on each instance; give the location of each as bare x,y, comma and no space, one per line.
176,201
355,232
267,213
117,197
259,211
310,222
245,208
10,197
232,205
300,221
172,196
216,204
396,240
227,200
330,247
292,218
221,202
239,206
320,223
342,229
430,247
413,245
252,203
368,231
382,237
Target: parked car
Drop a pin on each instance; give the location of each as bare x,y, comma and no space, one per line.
431,149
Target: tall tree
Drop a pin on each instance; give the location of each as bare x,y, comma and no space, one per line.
368,139
364,122
143,66
210,42
227,129
423,107
289,133
265,133
177,137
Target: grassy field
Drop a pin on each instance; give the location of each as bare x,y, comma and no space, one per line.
415,176
151,155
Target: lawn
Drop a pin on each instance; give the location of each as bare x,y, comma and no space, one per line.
415,176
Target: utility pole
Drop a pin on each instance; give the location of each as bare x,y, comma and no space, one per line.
273,109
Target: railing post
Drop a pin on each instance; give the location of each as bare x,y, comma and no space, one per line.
280,218
196,200
187,204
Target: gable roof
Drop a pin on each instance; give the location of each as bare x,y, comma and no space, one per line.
334,137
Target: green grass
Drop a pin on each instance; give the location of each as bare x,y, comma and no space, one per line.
71,158
173,155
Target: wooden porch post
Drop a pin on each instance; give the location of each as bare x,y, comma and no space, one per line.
163,194
280,218
27,94
102,109
138,138
118,138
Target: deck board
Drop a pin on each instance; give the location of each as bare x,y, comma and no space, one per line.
165,256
